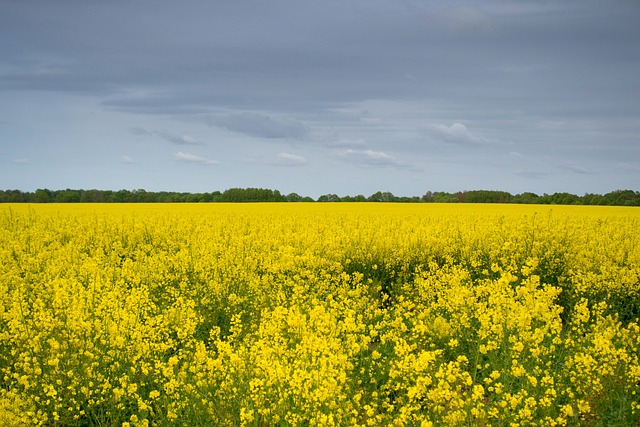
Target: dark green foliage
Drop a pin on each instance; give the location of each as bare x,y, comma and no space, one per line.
236,195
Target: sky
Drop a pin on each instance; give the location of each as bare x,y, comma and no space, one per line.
341,97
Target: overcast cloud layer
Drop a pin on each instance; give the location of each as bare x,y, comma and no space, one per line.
339,96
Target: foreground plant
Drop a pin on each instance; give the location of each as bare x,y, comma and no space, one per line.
261,315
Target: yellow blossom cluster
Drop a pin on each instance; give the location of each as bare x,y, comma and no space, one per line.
298,314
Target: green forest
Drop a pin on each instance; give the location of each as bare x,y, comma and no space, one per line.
236,195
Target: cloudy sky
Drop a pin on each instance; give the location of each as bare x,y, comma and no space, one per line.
316,97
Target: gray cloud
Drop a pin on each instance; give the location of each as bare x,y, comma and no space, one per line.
626,166
314,55
468,19
167,136
139,131
261,125
178,139
576,168
533,173
356,78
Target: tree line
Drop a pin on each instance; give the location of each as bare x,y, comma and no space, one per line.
237,195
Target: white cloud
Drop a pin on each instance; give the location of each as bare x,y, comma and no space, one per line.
21,161
481,73
515,155
457,133
192,158
288,159
369,157
281,159
127,159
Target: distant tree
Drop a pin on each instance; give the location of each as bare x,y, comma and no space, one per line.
42,196
526,198
14,196
592,199
122,196
375,197
617,197
68,196
329,198
407,199
565,199
382,197
194,198
388,197
91,196
231,195
293,197
622,198
138,196
444,197
107,196
428,197
251,195
484,196
205,198
559,199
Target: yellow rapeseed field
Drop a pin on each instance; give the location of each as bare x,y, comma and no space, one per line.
319,315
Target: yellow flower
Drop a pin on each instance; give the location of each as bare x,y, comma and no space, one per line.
567,410
341,314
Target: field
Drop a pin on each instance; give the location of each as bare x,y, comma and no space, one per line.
296,314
